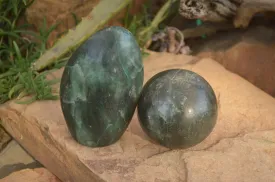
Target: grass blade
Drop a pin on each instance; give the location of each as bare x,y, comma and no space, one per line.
14,89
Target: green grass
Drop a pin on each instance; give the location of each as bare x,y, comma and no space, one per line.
17,53
138,21
135,23
143,25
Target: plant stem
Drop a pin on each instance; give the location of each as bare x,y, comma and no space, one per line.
145,34
98,17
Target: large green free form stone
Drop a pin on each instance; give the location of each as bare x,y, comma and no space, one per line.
177,108
100,87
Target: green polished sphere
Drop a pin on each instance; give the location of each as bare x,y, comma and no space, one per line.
100,87
177,108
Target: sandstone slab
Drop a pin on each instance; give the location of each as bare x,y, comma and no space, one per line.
240,148
14,153
31,175
5,138
14,158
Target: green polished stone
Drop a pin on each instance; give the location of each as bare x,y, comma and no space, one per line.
177,108
100,87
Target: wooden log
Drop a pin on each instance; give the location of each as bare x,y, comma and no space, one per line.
244,135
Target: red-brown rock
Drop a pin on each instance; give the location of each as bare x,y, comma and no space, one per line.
58,12
249,54
62,12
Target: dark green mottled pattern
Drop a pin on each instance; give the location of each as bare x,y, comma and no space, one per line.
177,108
100,87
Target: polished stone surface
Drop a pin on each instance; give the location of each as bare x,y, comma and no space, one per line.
100,87
177,108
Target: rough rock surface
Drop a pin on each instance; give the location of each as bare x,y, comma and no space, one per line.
14,158
248,53
58,12
240,148
31,175
5,138
62,12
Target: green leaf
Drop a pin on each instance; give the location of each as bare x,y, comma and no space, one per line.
17,51
29,101
6,74
53,82
77,21
14,7
14,89
9,34
25,2
5,19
